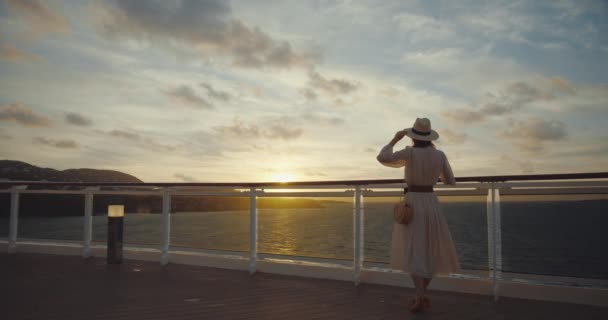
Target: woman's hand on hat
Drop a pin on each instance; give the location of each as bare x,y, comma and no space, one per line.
398,136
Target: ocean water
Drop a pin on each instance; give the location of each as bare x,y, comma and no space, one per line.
551,238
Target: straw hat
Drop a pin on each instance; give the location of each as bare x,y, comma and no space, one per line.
422,130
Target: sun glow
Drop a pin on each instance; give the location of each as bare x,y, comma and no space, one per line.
282,177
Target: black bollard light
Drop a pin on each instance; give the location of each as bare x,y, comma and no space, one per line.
115,225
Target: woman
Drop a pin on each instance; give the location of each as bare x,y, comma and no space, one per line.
423,248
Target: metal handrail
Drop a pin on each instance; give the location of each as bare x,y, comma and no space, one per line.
337,183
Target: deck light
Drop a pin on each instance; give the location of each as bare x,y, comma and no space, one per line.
116,211
115,230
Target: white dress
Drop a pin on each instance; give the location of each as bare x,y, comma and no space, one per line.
424,247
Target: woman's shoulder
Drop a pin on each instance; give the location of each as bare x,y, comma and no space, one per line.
441,153
430,152
405,153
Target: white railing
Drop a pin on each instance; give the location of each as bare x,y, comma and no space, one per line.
492,190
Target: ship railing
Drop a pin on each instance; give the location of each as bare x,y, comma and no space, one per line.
492,188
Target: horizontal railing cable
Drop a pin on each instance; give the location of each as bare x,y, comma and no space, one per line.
337,183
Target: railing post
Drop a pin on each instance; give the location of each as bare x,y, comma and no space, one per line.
164,256
13,226
494,245
497,242
253,230
358,235
88,221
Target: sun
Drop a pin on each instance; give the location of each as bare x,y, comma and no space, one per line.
282,177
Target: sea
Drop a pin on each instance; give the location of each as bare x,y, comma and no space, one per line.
562,238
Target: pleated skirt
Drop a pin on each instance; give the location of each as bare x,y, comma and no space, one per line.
424,247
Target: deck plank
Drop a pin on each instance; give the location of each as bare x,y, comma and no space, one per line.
40,286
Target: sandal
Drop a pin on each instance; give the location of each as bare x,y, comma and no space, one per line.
427,302
417,305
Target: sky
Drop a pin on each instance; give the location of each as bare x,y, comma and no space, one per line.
218,91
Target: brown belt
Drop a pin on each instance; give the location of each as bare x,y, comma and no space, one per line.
418,189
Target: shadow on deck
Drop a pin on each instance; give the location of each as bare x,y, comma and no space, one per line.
39,286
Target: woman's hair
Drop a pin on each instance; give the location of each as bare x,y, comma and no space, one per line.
422,144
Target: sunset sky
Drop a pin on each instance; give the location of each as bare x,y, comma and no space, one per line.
302,90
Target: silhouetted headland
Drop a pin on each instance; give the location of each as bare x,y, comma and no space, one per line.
73,205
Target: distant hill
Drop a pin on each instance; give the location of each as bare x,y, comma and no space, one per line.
17,170
73,205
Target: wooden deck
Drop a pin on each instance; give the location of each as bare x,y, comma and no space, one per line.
39,286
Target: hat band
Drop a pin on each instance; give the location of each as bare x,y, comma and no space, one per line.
420,132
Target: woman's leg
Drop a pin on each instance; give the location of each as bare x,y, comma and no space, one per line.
419,283
427,301
426,283
419,301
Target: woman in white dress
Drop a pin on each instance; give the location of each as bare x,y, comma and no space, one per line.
423,248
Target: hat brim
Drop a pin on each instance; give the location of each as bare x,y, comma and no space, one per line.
430,137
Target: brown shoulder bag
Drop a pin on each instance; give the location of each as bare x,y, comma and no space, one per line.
402,212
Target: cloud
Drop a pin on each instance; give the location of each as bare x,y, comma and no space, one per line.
597,150
153,145
124,134
140,141
239,129
553,46
77,119
463,68
516,23
61,144
24,116
319,119
316,172
216,94
313,172
558,86
418,28
309,94
525,166
11,53
250,91
330,86
443,58
514,97
452,137
184,177
206,27
539,129
531,134
279,131
4,135
274,130
185,95
389,92
463,116
41,19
